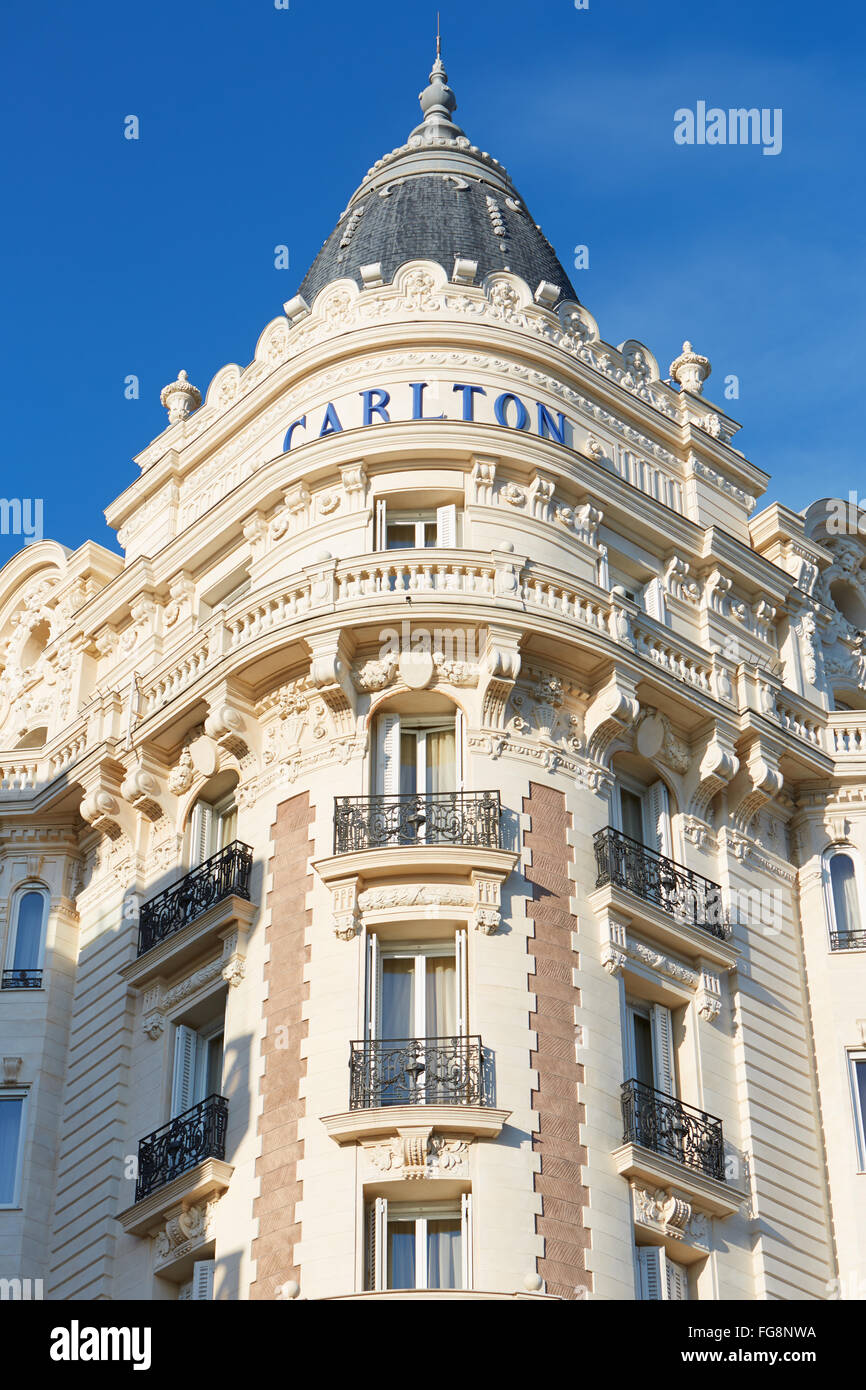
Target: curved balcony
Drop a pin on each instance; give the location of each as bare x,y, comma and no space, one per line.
471,819
400,1085
417,1071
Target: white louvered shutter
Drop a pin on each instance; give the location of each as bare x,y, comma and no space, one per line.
381,538
659,815
183,1077
663,1049
389,754
379,1243
446,527
466,1239
374,965
201,833
202,1281
676,1281
650,1272
462,981
459,743
654,601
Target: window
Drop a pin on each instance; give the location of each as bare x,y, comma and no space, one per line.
644,814
26,940
418,757
11,1136
411,530
419,1246
212,827
198,1065
416,991
842,889
857,1063
658,1276
649,1047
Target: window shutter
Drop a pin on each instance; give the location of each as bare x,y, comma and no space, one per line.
202,1281
663,1049
459,740
654,601
374,965
650,1274
200,834
446,527
462,981
183,1079
466,1239
381,538
389,754
379,1243
676,1281
659,815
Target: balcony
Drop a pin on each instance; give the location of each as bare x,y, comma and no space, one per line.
677,890
664,900
469,819
208,912
848,941
401,1086
416,1071
226,874
182,1144
667,1126
672,1146
21,979
180,1166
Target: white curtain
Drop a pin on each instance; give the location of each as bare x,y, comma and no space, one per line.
443,1254
441,975
10,1125
845,904
441,765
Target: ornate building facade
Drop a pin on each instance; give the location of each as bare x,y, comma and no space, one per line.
431,855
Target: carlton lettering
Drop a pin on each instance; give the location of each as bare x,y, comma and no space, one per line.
412,401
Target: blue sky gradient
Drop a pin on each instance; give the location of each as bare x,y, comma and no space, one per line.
140,257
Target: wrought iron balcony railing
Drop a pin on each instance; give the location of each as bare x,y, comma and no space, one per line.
442,818
416,1071
21,979
667,1126
225,874
687,896
186,1141
848,940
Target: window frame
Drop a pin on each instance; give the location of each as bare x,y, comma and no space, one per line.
21,891
855,1056
455,947
16,1094
381,1212
830,853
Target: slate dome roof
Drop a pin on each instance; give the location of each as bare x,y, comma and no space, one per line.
437,198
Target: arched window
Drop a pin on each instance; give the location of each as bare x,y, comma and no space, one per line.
213,821
842,874
26,939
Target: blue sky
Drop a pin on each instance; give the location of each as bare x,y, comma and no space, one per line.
140,257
